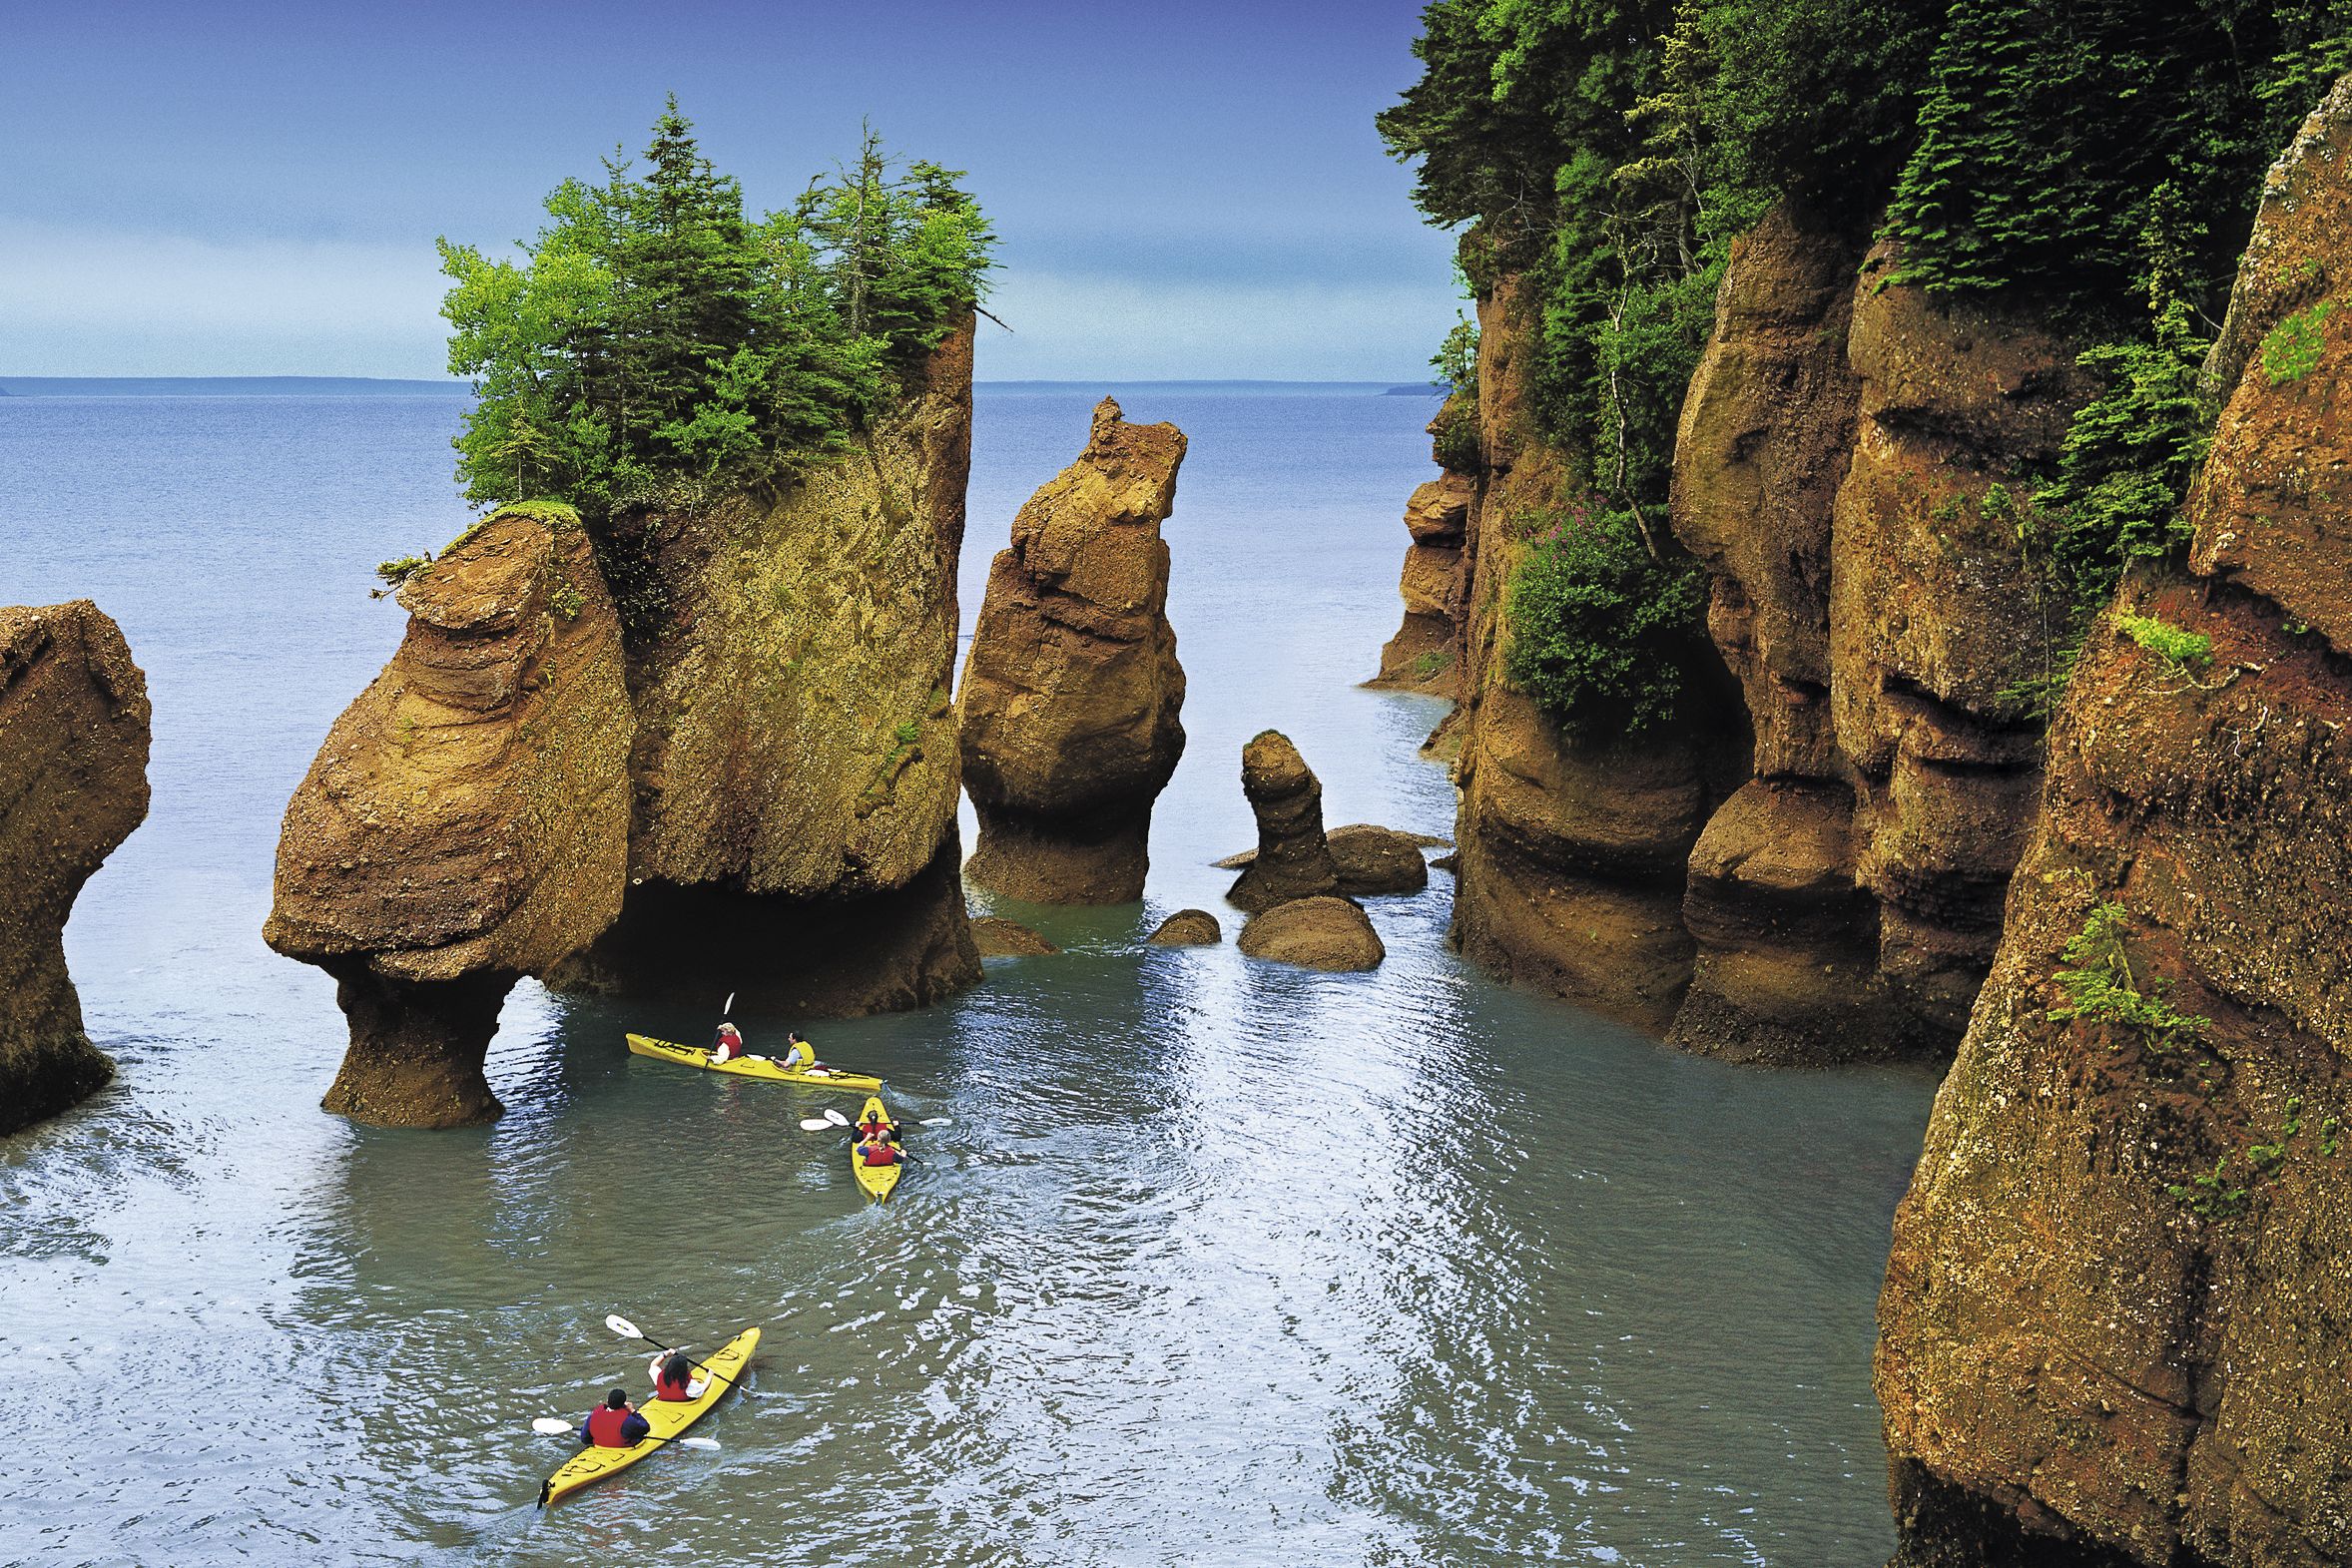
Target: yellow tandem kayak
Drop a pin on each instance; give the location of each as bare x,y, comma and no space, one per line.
878,1180
667,1418
749,1066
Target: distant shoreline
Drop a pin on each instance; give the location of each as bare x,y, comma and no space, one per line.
31,386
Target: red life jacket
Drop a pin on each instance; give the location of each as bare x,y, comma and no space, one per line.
882,1153
604,1427
869,1129
664,1388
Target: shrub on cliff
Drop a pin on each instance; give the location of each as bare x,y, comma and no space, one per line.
1602,630
657,343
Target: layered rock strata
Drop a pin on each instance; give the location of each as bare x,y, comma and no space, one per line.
676,755
467,820
1424,656
2119,1304
1293,859
1071,691
1571,851
793,837
73,784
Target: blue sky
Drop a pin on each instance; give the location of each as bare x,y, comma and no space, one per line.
1183,188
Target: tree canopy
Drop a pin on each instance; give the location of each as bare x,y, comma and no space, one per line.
656,343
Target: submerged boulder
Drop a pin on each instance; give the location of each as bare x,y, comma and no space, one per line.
1001,938
1374,861
1068,708
73,784
467,820
1315,933
1293,860
1188,928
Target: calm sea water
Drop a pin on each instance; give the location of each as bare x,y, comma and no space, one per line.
1215,1262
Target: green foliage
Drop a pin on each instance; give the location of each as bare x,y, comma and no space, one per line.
566,600
1601,631
1455,433
401,567
2291,349
1431,663
1457,358
908,733
2102,988
2048,134
657,344
2211,1194
2179,650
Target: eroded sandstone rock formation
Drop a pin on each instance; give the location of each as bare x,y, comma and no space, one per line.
997,937
467,820
1293,859
1187,928
2120,1303
1072,690
1571,851
73,784
681,755
1424,655
1322,932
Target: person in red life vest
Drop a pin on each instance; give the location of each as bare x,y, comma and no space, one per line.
614,1424
875,1148
727,1045
674,1380
883,1129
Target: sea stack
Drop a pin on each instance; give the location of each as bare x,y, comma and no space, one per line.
1294,858
73,784
467,820
1071,691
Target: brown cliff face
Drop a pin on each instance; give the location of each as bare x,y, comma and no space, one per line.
1934,618
1571,851
793,838
73,784
1071,691
467,822
2120,1306
1787,964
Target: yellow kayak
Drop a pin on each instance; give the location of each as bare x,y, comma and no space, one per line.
667,1418
878,1180
749,1066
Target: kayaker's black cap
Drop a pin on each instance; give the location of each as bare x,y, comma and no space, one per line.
616,1399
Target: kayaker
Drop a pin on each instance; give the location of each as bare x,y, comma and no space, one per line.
799,1054
727,1045
674,1379
886,1131
877,1148
614,1424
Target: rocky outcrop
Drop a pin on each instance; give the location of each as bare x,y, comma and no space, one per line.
467,820
1187,928
1293,860
675,755
1001,938
1322,932
2116,1312
1068,707
1422,656
1373,860
1571,851
73,784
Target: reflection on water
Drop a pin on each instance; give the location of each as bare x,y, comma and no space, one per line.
1213,1261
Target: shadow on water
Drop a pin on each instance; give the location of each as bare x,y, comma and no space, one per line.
1213,1260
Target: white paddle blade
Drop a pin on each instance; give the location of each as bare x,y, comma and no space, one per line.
814,1124
835,1117
934,1120
730,1007
706,1444
622,1326
550,1426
